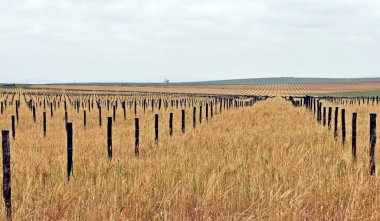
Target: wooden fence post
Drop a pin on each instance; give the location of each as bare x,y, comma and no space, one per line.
156,128
44,123
7,193
124,111
34,113
114,113
51,109
194,117
206,111
324,116
372,132
183,121
137,137
329,118
109,137
100,115
17,112
354,121
69,130
84,119
343,126
171,124
336,123
200,114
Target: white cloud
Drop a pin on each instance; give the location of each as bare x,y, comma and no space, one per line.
148,40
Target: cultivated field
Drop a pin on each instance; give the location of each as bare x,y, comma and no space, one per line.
254,158
243,89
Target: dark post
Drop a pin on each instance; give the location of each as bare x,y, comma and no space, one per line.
354,116
183,121
51,109
324,116
44,117
194,117
171,124
34,114
7,174
114,113
372,140
206,111
336,123
200,114
137,137
156,128
135,108
124,111
84,119
109,137
69,129
211,110
17,112
329,118
343,126
100,115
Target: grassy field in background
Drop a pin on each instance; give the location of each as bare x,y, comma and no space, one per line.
351,94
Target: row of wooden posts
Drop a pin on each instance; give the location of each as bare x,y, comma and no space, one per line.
69,131
314,105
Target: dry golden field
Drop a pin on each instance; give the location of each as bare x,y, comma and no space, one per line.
247,89
269,161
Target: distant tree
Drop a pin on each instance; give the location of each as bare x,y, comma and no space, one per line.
166,81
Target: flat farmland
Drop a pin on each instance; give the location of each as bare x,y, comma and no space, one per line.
229,89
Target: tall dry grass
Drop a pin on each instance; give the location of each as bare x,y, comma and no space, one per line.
267,162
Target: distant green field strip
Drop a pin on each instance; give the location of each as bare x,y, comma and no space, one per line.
351,94
247,81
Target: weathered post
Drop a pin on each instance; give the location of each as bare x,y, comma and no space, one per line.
343,126
100,115
211,110
329,118
156,128
44,123
114,113
124,111
200,114
135,108
34,113
183,121
354,121
17,112
194,117
109,137
137,137
84,119
206,111
7,193
372,140
171,124
324,116
69,130
51,109
13,128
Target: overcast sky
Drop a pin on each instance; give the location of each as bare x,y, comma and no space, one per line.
185,40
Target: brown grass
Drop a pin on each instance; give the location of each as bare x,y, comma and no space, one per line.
266,162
